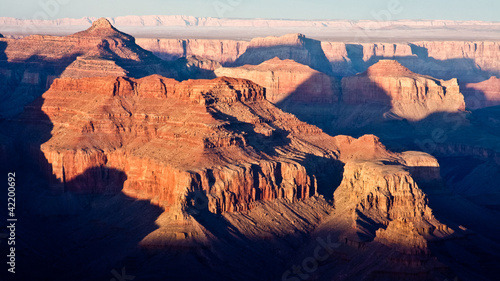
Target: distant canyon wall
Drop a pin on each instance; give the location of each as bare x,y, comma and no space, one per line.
467,61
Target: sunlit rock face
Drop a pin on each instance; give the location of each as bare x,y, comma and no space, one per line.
411,96
287,81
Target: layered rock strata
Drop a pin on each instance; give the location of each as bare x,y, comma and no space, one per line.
29,65
287,80
410,95
214,145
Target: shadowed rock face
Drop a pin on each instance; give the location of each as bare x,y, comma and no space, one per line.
482,94
287,80
291,46
411,96
468,61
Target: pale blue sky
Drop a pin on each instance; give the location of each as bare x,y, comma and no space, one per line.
487,10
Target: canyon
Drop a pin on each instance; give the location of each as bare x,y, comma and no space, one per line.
172,157
473,61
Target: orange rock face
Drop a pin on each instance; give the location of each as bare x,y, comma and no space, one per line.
467,61
287,80
176,140
199,144
410,95
374,195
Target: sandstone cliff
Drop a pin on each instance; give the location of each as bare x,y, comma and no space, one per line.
218,142
222,51
384,203
411,96
287,81
469,61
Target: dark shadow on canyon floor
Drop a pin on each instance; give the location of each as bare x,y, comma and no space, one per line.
70,229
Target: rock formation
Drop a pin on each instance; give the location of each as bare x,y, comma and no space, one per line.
411,96
482,94
31,64
382,193
218,142
222,51
287,80
468,61
296,47
193,67
211,134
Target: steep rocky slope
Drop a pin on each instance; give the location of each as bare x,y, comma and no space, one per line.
411,96
287,80
211,134
218,141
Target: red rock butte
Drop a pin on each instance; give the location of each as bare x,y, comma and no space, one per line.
406,94
288,81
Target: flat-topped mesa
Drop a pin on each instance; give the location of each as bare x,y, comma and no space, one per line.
287,80
373,194
293,39
102,28
407,94
226,89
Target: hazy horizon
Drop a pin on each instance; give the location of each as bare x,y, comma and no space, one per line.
254,18
483,10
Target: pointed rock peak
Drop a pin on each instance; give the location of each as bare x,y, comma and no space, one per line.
1,35
103,28
388,67
102,23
